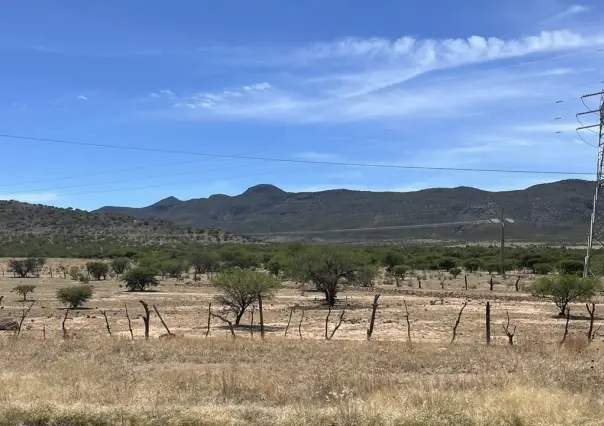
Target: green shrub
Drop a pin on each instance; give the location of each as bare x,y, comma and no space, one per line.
542,268
139,278
24,290
74,296
97,270
565,289
455,272
566,267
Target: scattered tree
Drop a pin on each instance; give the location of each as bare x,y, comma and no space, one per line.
455,272
241,288
120,265
97,270
472,265
326,268
398,272
24,290
74,296
139,278
23,268
542,268
447,263
565,289
568,267
202,263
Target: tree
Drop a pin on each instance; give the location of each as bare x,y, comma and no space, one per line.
398,272
24,290
455,272
392,259
75,295
570,266
172,268
139,278
97,270
365,275
472,265
447,263
565,289
202,263
26,266
327,267
119,265
542,268
241,288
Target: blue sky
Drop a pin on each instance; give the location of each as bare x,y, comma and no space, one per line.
466,84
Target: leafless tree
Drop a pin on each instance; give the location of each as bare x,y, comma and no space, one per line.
376,298
340,320
65,334
591,334
146,318
300,324
487,324
289,320
129,322
506,329
106,323
261,316
458,321
209,319
408,322
23,315
227,321
162,321
566,325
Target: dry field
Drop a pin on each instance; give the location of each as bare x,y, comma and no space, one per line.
94,379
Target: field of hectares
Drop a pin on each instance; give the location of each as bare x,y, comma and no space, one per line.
84,376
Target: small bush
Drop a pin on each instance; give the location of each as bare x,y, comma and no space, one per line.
75,295
455,272
24,290
74,273
138,279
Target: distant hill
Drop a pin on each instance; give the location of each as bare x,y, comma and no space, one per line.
556,211
34,220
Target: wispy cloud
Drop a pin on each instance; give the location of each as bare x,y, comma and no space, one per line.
318,156
374,78
82,97
572,10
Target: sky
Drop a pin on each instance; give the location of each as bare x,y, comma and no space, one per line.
459,84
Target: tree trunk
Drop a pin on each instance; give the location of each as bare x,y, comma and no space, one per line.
330,298
239,316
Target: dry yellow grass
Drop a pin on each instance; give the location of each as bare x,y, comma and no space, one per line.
93,379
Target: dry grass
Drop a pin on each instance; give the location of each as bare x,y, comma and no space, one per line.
189,380
218,381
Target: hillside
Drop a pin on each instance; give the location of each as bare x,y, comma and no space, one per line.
37,223
556,211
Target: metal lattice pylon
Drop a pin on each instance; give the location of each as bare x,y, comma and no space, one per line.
596,226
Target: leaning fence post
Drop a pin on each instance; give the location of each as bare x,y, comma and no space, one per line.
488,323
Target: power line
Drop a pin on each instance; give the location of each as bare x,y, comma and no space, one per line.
291,160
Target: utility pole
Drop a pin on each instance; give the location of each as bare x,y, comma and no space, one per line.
502,246
596,225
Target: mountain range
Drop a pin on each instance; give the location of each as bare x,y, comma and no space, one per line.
557,211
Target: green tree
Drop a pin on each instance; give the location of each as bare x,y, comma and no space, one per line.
565,289
365,275
24,290
455,272
202,262
25,267
447,263
97,270
570,266
241,288
393,258
75,295
119,265
542,268
472,265
328,267
139,278
398,272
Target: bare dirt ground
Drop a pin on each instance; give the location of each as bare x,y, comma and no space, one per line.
93,379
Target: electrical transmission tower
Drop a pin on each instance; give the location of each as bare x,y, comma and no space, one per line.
596,226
